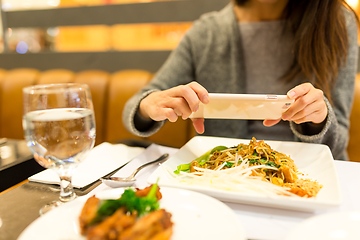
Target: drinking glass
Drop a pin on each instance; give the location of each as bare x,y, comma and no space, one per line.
59,128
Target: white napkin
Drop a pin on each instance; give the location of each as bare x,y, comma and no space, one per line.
151,153
101,160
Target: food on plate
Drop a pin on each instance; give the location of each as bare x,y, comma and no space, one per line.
236,166
135,215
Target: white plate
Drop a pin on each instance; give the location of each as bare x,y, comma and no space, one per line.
315,160
243,106
330,226
193,214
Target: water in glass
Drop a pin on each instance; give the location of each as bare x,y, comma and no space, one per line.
59,128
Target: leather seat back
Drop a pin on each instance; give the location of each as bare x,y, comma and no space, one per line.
353,147
123,85
2,76
11,100
56,76
98,82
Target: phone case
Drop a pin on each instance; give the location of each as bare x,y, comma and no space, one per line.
243,106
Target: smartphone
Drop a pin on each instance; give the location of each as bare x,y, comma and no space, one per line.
243,106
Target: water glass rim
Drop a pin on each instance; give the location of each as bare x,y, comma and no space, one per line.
50,86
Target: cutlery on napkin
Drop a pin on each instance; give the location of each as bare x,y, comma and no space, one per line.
101,160
152,152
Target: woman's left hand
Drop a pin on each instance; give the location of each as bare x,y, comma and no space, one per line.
309,106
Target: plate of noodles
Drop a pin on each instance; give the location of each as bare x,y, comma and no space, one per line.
288,175
180,214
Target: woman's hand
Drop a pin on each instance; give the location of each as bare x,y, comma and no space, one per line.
175,102
309,106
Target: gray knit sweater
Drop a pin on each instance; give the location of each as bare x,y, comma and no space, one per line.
212,54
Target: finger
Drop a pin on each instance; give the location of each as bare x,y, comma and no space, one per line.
177,112
315,113
170,114
180,107
312,101
302,119
188,94
307,111
198,124
307,118
299,105
270,122
200,91
299,90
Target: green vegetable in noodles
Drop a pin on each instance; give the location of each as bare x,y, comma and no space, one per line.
201,160
228,164
182,167
206,156
272,164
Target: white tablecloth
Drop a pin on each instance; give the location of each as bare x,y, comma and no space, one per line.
275,223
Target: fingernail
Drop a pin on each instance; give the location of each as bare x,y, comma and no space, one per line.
291,94
285,117
205,99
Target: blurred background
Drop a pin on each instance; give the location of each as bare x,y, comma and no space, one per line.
95,33
99,37
99,31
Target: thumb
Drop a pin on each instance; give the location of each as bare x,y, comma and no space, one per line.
299,90
198,124
269,123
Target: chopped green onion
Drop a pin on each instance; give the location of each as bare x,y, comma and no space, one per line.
272,164
228,164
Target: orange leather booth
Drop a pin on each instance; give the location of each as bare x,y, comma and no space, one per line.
110,92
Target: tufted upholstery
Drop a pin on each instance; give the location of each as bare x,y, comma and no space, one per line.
109,93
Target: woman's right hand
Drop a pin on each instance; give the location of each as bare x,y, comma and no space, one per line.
175,102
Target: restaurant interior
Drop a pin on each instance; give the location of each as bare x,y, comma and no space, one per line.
116,47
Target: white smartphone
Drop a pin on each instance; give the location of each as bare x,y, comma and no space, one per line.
243,106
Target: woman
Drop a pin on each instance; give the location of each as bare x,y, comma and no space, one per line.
305,49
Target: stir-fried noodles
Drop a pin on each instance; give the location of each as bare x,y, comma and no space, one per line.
257,160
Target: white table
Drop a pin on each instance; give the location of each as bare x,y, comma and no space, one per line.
277,223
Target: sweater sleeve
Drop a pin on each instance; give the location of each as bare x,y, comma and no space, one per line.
335,132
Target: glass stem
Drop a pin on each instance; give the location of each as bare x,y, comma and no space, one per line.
66,189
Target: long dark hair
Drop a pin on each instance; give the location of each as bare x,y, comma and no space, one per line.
320,40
